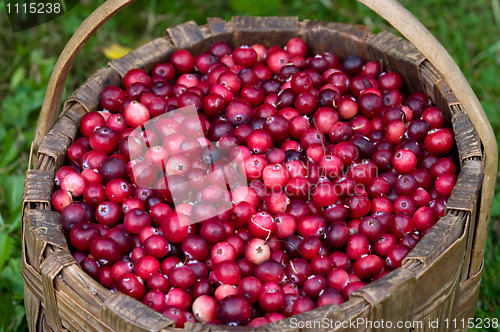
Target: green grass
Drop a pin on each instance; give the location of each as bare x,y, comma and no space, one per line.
468,29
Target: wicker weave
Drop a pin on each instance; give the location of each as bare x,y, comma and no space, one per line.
437,280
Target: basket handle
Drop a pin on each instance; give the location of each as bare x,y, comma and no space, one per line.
53,94
414,31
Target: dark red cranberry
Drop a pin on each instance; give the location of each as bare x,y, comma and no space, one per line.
90,267
105,250
298,271
71,215
82,234
234,310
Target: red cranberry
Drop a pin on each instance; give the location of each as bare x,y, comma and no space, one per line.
368,267
352,64
262,225
445,184
330,296
396,256
175,227
439,141
352,287
178,298
315,286
302,304
406,185
136,114
182,277
227,273
146,266
276,60
434,117
403,224
337,234
183,61
223,251
311,225
357,246
424,218
176,315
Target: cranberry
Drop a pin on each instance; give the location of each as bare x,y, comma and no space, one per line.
439,141
404,161
276,60
205,309
418,129
71,215
357,246
434,117
262,225
259,141
396,256
311,225
74,184
178,298
176,315
105,250
395,131
302,304
223,251
136,114
406,185
298,271
183,61
234,310
82,234
257,251
403,224
175,227
445,183
424,218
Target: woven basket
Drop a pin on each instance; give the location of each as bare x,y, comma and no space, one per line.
440,277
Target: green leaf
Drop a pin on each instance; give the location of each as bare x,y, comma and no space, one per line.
14,221
11,148
13,188
12,313
17,77
11,277
6,311
495,212
255,7
6,244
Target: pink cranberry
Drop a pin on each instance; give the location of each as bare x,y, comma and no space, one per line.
205,309
257,251
223,251
74,184
404,161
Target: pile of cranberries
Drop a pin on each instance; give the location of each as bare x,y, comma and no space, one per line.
345,174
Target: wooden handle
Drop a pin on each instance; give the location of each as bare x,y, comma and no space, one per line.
53,95
411,28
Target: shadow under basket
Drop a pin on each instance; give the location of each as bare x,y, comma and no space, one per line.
439,278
